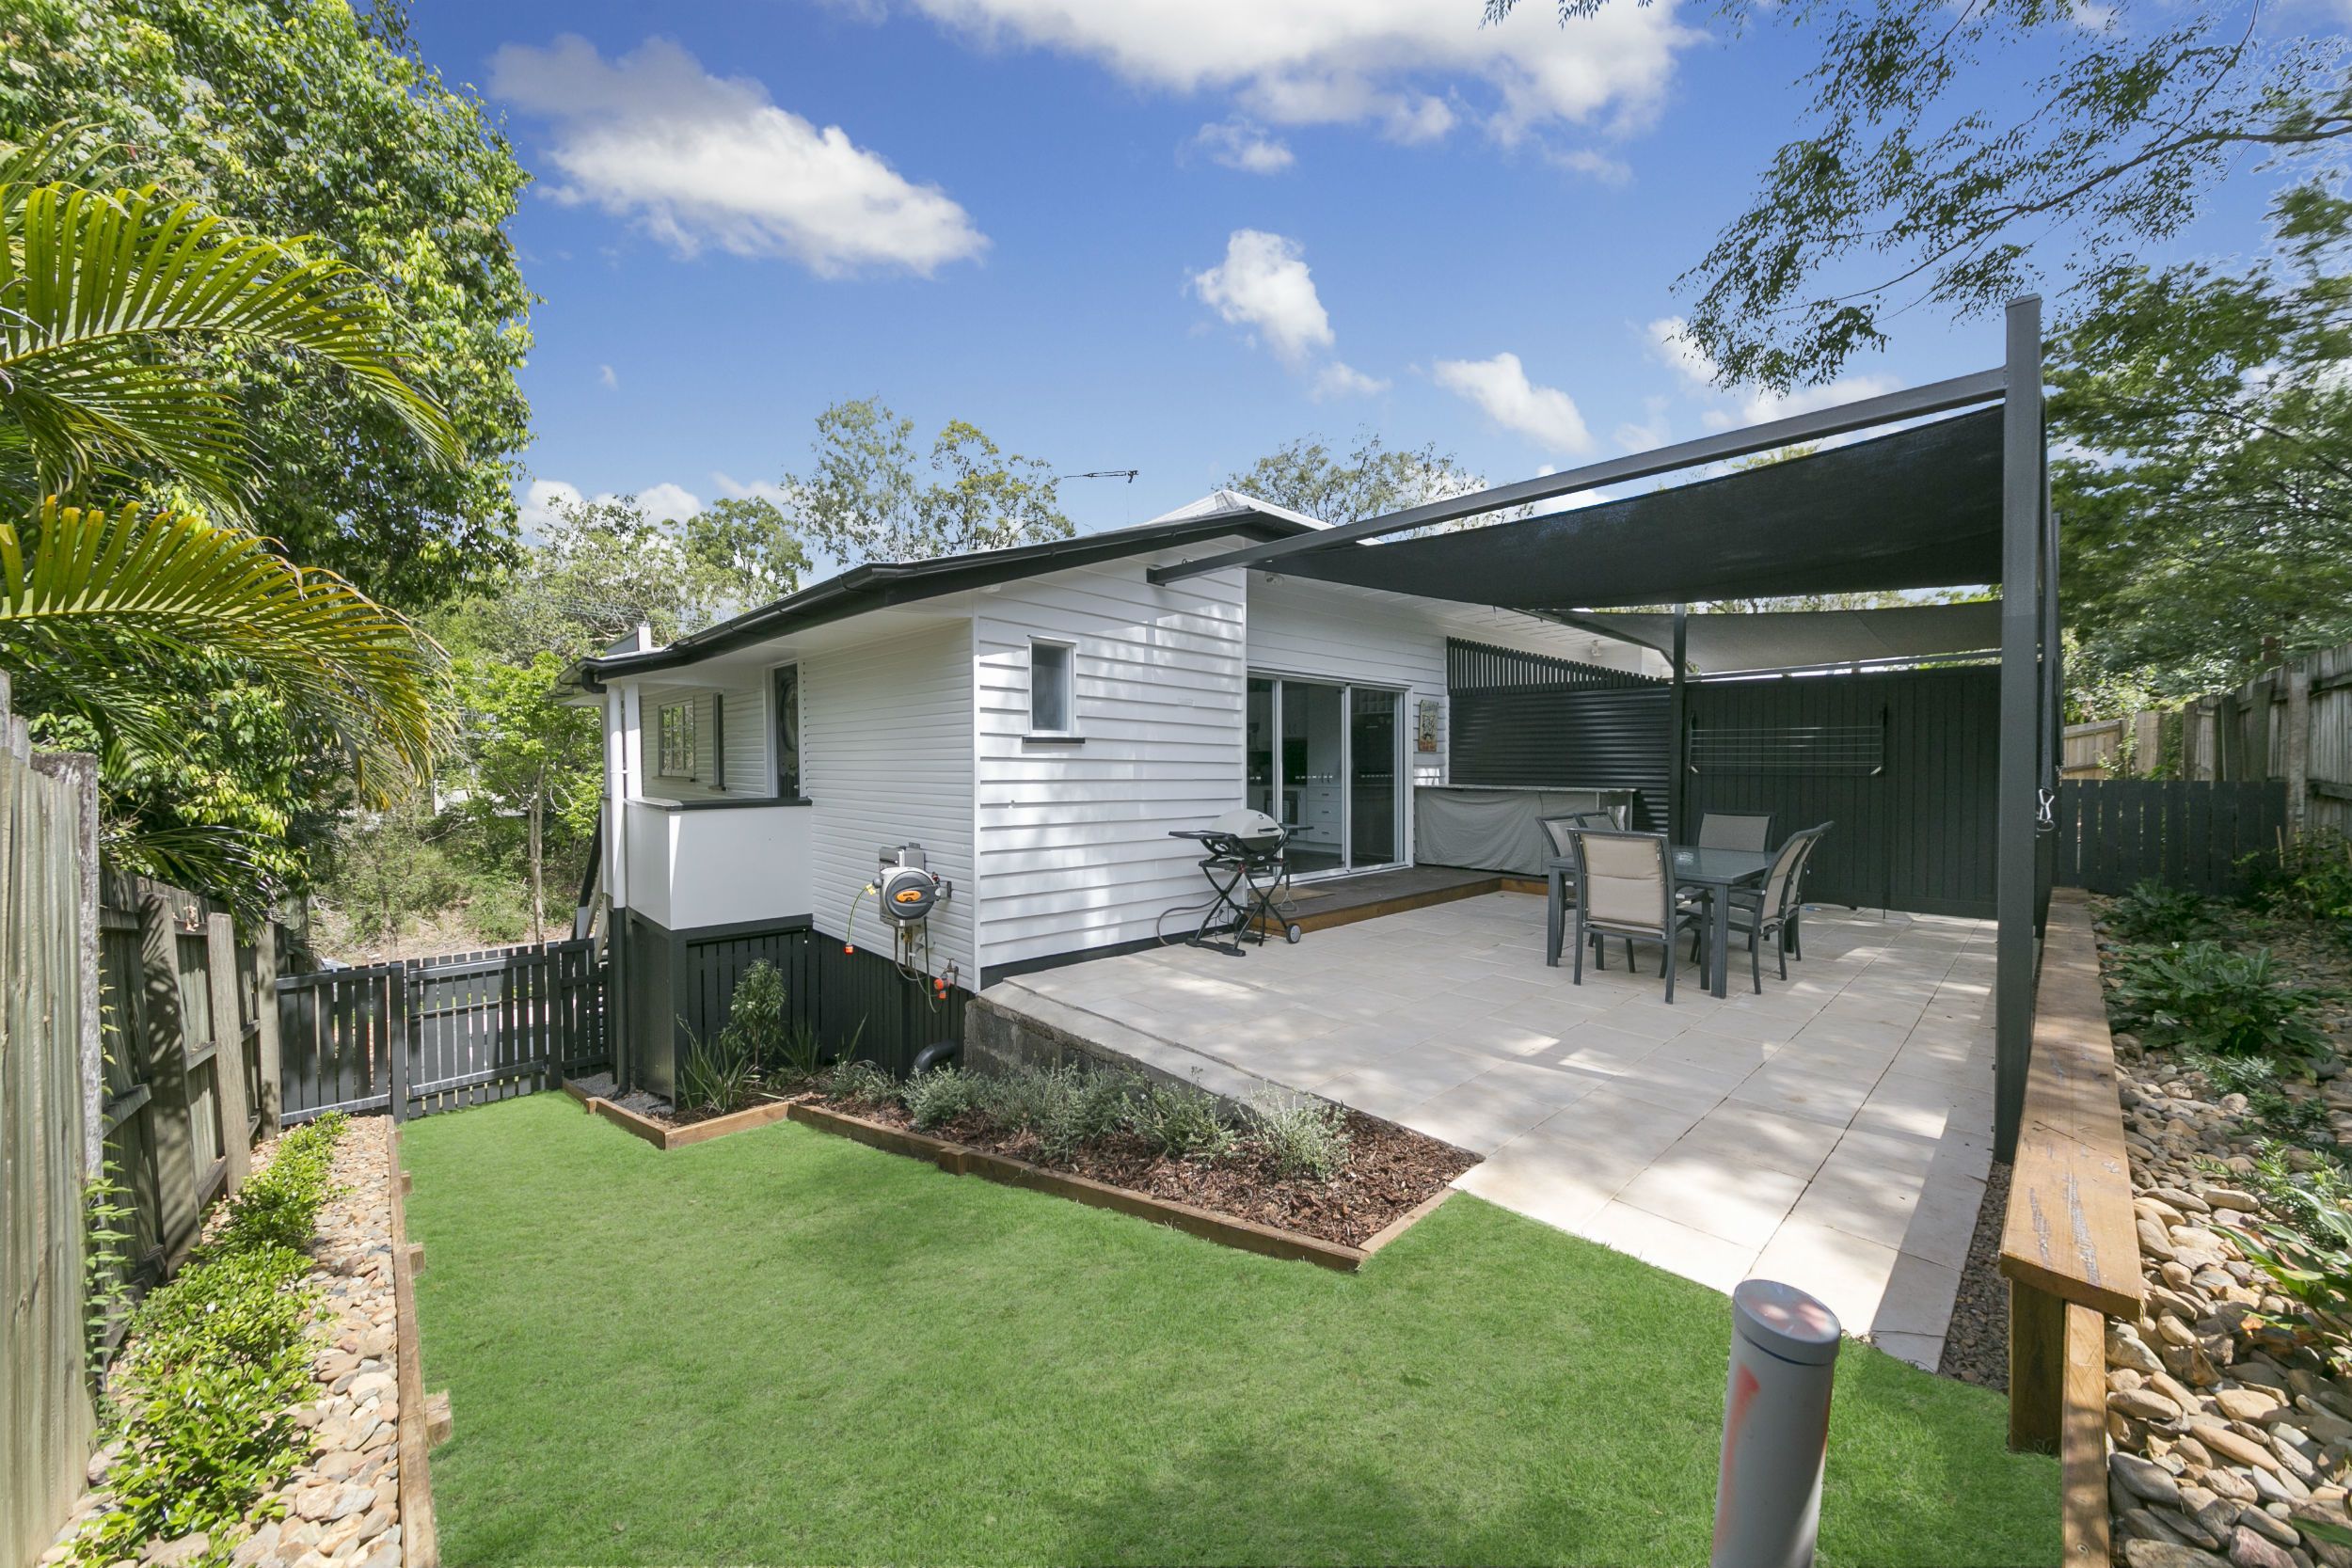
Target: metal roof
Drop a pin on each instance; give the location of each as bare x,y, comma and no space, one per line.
879,585
1918,508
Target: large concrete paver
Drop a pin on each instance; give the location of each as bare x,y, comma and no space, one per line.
1833,1132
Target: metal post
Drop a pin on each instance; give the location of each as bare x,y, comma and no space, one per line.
2021,634
1768,1497
1677,748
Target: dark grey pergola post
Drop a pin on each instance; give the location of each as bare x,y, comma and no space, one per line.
2023,513
1678,757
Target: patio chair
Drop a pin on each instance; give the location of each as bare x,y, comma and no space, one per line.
1623,889
1733,830
1771,911
1560,841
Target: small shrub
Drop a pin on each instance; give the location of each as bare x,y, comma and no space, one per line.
719,1077
216,1362
2310,879
756,1028
1180,1121
935,1097
2153,912
2305,1245
856,1083
2201,995
280,1206
1305,1139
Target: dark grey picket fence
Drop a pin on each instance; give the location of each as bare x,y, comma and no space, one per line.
2188,834
428,1035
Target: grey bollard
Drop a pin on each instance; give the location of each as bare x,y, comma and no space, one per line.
1768,1500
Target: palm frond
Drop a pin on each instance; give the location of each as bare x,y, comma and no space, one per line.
89,589
97,286
225,863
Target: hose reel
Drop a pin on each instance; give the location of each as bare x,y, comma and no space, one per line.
905,891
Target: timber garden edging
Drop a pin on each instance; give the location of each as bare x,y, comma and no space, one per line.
1226,1229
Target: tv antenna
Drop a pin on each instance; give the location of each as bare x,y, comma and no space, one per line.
1127,474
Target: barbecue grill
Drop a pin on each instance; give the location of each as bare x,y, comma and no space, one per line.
1248,881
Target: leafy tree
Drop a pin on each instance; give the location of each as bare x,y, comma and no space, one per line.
529,754
314,118
605,566
1305,475
866,500
111,615
1907,188
2205,482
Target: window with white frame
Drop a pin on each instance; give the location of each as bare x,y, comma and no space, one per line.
676,757
1052,705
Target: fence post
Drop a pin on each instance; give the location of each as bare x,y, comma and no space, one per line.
400,1035
220,978
269,1093
167,1072
2299,747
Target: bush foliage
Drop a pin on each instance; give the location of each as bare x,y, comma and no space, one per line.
215,1363
2203,996
1067,1107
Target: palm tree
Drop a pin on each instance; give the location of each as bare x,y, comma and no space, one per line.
127,490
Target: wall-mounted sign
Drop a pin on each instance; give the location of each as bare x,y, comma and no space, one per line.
1427,729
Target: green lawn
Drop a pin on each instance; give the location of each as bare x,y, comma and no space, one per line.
781,1347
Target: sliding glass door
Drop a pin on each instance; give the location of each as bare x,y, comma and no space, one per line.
1323,759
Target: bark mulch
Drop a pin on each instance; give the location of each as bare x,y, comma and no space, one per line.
1389,1171
1976,1347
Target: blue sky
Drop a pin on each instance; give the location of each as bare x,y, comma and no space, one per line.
1160,234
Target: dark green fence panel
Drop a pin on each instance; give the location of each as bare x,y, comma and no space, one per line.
435,1033
2185,832
1900,762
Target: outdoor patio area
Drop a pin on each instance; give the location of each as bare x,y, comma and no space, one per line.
1833,1132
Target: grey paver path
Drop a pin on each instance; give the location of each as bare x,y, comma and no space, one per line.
1833,1132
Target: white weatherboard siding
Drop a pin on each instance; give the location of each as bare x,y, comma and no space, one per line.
687,869
887,758
1074,845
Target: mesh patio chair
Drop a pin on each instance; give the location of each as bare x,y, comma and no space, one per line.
1770,912
1560,840
1623,889
1733,830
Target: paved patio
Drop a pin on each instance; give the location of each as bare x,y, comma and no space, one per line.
1833,1132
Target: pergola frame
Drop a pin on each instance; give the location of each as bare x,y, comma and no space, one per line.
2028,619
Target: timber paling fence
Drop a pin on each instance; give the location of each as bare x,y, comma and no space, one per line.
2187,834
427,1035
136,1056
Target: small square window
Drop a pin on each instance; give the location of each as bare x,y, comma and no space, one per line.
1051,710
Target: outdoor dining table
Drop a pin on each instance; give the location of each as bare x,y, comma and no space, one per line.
1716,871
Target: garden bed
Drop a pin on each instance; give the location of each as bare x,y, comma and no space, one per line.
1389,1173
2230,1398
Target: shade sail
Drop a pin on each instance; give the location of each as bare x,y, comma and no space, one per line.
1920,508
1803,640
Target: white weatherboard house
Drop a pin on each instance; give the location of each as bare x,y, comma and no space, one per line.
1039,720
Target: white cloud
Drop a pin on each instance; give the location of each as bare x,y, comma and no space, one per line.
1545,415
1670,341
1263,285
762,490
1339,379
545,499
1598,166
1370,62
1652,432
1238,144
669,503
697,159
542,501
606,378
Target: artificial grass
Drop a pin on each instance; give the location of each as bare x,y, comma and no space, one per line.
781,1347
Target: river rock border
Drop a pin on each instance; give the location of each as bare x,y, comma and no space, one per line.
2224,1440
357,1500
